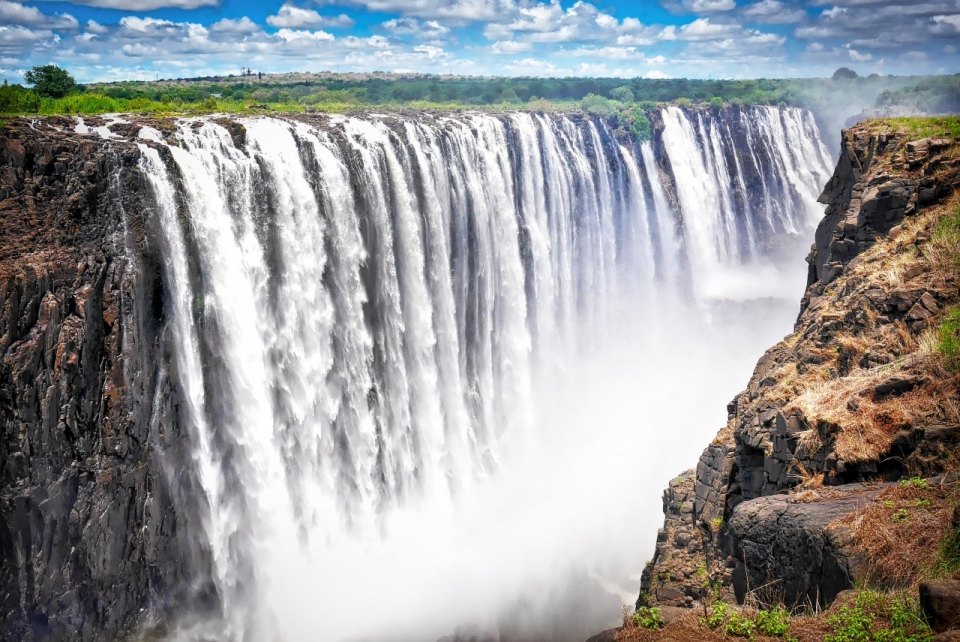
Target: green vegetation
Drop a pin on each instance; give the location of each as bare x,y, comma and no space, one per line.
948,556
50,81
878,617
739,625
948,338
607,97
648,618
935,95
773,623
915,482
923,126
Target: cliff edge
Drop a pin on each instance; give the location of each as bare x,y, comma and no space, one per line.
852,418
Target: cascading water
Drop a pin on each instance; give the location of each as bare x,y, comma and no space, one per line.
365,312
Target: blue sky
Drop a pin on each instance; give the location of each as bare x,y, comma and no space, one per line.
141,39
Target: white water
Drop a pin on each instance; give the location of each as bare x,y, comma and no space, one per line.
436,371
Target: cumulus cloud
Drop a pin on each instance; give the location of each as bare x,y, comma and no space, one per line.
856,55
14,13
146,5
510,47
430,29
294,17
655,74
947,23
698,6
455,10
238,25
773,12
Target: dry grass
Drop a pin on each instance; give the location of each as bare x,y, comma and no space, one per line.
901,533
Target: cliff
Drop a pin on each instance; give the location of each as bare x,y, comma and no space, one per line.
92,525
859,396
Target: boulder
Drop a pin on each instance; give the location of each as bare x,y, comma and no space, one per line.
940,602
948,636
796,548
605,636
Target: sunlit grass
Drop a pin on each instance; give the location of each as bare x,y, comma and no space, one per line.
923,127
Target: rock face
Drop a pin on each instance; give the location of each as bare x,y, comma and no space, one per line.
92,528
940,602
846,400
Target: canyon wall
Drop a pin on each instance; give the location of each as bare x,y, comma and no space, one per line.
853,399
226,337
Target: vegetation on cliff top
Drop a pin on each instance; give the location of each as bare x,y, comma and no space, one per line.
330,92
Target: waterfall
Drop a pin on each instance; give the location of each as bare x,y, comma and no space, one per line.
361,309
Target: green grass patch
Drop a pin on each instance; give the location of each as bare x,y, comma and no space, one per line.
934,126
878,617
948,338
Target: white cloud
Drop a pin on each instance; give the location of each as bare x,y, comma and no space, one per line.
856,55
945,23
833,12
431,52
146,5
292,35
510,47
703,29
814,47
655,74
608,53
296,18
773,12
431,29
656,60
93,26
451,10
238,26
14,39
14,13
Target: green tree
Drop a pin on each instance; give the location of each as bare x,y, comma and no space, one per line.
845,73
623,94
51,81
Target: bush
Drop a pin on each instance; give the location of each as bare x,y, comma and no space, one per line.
716,103
683,102
623,94
597,106
718,615
51,81
876,617
773,623
739,626
648,618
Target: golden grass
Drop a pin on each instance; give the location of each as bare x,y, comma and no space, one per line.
900,534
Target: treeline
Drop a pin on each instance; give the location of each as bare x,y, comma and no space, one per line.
480,90
935,95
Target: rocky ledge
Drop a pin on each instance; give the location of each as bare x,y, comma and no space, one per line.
855,399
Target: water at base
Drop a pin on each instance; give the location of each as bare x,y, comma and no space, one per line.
436,371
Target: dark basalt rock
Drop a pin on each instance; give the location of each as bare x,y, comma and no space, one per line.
940,602
94,530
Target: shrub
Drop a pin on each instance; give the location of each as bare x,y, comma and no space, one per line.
648,618
876,618
718,615
623,94
716,102
597,106
683,102
773,623
740,626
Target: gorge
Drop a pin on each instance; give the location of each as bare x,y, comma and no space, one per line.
255,370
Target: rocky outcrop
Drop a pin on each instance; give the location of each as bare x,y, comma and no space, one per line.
92,526
846,401
940,602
